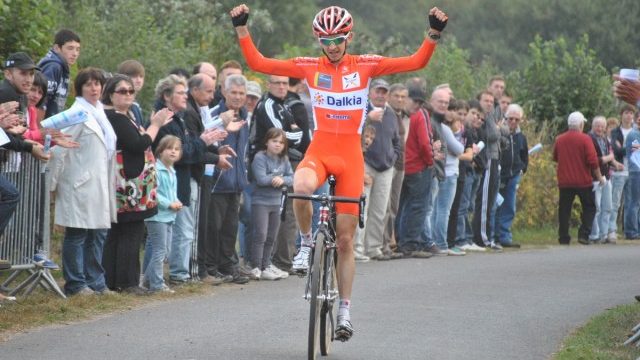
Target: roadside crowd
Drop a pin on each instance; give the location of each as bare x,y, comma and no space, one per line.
205,166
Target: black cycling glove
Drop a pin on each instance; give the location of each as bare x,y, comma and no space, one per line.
437,24
240,20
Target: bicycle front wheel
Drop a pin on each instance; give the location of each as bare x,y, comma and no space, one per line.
328,313
316,298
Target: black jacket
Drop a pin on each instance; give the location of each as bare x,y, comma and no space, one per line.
193,123
619,151
515,155
9,93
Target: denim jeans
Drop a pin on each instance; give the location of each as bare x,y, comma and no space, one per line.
441,209
415,193
600,228
182,238
9,197
82,259
463,209
618,184
427,233
468,227
632,206
154,253
507,211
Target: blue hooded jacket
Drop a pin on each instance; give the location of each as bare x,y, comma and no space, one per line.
235,179
57,72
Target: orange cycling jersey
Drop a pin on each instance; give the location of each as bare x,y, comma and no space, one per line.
339,94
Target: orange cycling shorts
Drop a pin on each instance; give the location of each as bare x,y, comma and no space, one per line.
340,155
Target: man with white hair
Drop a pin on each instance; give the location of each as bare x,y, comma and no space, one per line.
577,167
606,159
513,164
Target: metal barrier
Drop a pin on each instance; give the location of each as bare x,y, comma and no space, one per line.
29,226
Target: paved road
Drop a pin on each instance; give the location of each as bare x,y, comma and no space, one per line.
516,305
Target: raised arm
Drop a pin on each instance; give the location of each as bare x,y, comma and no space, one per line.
437,22
255,60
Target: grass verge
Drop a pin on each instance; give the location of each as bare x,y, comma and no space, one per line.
602,337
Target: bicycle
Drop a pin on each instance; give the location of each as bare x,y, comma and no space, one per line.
321,281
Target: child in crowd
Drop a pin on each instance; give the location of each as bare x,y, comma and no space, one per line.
169,151
271,170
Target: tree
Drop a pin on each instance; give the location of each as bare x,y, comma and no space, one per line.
27,26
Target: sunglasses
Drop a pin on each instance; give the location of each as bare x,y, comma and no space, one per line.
335,40
125,91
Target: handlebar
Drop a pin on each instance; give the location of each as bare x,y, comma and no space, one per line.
323,198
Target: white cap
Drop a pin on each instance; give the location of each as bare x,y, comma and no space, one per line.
576,118
253,89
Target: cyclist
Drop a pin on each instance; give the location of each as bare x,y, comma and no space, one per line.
338,85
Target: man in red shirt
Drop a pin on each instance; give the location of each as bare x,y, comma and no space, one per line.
577,168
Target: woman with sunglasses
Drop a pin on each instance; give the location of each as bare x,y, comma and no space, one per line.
135,185
339,86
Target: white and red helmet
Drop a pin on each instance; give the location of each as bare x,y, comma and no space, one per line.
331,21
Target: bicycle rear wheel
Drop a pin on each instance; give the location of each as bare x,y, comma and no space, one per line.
316,300
328,313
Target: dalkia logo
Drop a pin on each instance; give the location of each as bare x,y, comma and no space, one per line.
318,99
344,100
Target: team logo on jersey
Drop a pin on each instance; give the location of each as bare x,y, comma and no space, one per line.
323,80
351,81
318,99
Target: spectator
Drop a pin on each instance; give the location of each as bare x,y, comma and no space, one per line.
55,66
19,73
513,164
225,196
83,182
135,71
504,102
207,69
606,159
416,185
619,178
172,91
254,93
379,160
201,89
229,67
135,186
159,226
447,119
632,198
490,179
398,94
577,166
271,170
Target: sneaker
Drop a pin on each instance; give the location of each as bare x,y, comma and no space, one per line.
105,291
611,238
584,241
212,280
421,254
5,264
255,274
344,330
178,282
397,255
84,292
238,278
41,259
456,251
436,251
475,247
269,274
7,298
164,290
495,247
135,290
301,260
361,258
243,270
381,257
223,277
283,274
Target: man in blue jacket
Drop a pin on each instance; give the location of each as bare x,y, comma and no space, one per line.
55,66
224,204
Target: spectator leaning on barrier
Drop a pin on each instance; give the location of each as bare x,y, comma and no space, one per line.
55,66
513,164
577,166
84,186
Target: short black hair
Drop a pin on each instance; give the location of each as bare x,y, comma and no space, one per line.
85,75
64,36
294,81
39,80
180,72
110,87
